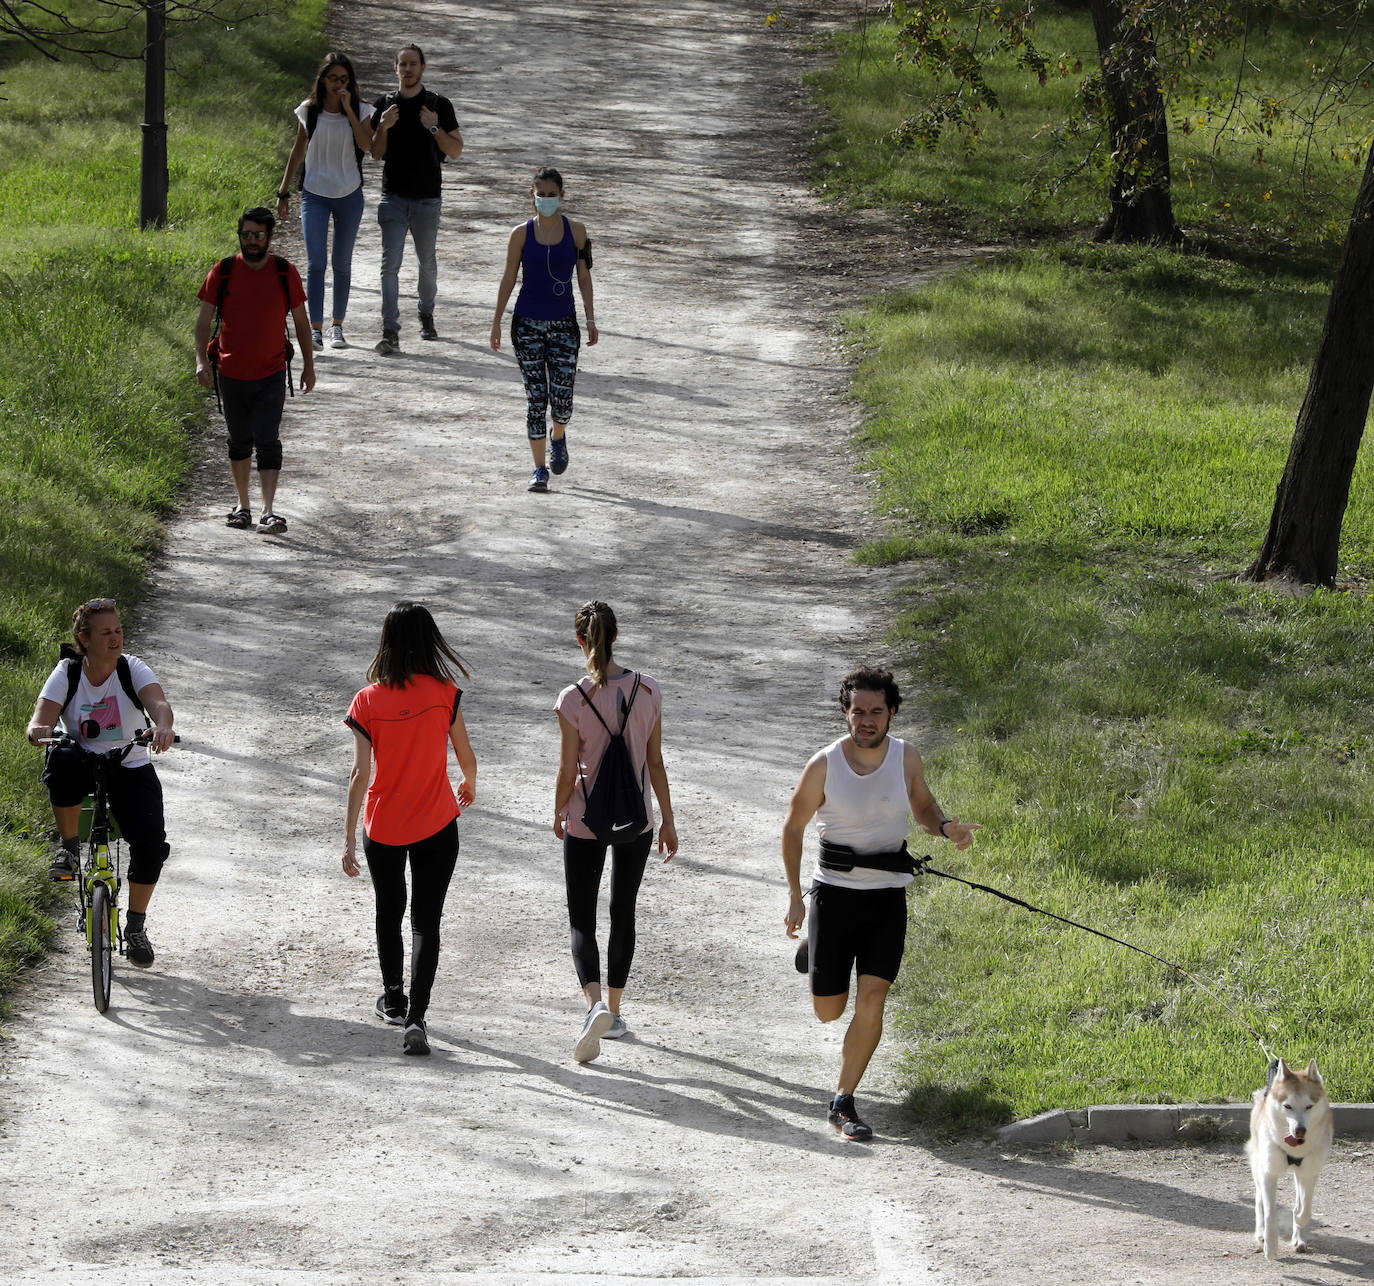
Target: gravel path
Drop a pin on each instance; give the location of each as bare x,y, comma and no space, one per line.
239,1115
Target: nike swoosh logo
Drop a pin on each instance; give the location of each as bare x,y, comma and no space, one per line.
622,828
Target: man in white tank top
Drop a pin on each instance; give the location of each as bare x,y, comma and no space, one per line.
863,790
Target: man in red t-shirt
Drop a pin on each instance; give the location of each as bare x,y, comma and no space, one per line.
250,354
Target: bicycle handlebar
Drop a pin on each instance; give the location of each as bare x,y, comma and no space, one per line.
142,737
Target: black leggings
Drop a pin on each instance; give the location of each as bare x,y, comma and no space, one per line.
135,796
583,862
431,868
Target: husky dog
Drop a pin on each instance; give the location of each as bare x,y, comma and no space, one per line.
1290,1128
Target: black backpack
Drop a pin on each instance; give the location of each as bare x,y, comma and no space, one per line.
615,804
72,659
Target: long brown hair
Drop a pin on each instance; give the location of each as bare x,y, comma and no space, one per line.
412,644
319,94
595,626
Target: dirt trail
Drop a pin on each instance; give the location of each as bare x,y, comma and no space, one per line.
240,1114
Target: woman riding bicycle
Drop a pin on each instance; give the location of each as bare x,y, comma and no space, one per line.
95,696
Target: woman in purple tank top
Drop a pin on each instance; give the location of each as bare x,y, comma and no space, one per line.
548,252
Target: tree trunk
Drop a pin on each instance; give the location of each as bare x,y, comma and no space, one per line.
1142,209
152,186
1305,527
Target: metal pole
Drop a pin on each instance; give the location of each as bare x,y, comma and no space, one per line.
152,187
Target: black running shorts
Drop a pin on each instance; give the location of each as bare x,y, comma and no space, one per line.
854,931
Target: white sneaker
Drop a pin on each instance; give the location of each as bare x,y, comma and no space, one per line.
336,339
594,1027
617,1029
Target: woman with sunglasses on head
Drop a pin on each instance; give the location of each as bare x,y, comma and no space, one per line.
403,724
100,696
548,252
608,698
333,131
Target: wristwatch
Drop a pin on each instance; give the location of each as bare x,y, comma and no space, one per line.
433,129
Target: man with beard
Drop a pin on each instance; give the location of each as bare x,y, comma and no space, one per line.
415,131
862,789
250,294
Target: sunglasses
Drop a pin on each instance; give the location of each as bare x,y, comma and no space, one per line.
98,605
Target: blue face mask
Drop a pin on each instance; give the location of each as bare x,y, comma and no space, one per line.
547,205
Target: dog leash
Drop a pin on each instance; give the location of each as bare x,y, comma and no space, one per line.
923,867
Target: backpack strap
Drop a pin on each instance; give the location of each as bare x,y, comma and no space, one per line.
624,718
634,691
226,266
282,266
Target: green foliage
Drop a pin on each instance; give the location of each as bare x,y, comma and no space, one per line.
1075,447
101,414
1266,148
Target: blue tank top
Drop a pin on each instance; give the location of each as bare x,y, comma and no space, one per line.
547,276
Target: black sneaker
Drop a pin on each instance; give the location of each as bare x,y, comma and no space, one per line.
558,453
138,948
390,343
540,480
415,1040
391,1008
844,1116
64,866
427,330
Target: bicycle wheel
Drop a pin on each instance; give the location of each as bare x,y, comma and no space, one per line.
102,945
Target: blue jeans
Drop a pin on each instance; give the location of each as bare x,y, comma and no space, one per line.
347,212
396,215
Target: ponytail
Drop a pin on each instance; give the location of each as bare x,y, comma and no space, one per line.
596,627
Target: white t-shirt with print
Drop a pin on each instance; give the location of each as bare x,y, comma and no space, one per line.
331,164
105,711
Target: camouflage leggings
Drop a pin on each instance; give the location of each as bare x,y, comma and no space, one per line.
547,353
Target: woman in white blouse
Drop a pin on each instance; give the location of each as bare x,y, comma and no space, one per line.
333,130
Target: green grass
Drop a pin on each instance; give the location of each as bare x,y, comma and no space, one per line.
101,416
1077,448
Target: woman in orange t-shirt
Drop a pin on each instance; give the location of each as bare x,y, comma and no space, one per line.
405,721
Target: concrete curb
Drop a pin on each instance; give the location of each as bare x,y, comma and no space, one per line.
1164,1123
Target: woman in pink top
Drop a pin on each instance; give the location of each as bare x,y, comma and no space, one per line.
406,720
621,698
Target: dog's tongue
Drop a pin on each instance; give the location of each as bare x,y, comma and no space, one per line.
1292,1142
